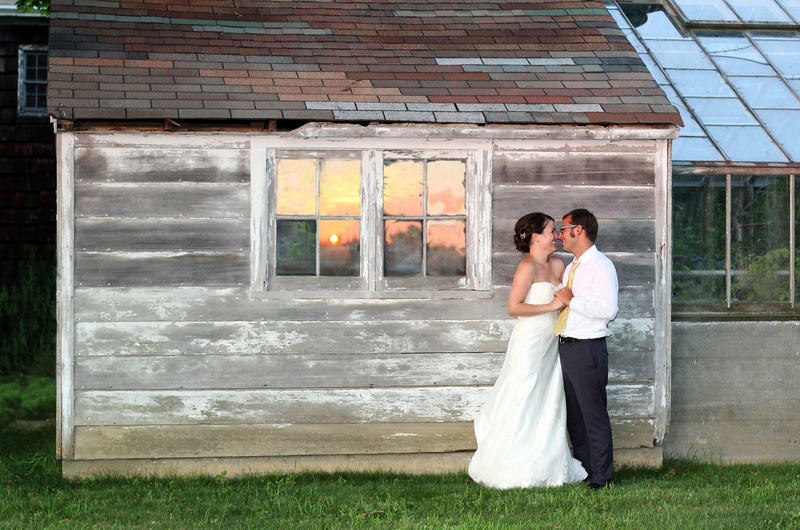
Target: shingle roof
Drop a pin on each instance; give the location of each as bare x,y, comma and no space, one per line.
457,61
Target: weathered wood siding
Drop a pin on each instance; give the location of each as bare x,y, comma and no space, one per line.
174,357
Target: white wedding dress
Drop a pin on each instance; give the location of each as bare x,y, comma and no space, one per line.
521,429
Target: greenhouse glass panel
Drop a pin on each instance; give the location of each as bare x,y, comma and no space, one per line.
706,10
765,92
700,83
659,27
746,144
760,238
735,54
784,125
792,7
759,11
784,53
698,238
721,111
691,149
685,54
690,125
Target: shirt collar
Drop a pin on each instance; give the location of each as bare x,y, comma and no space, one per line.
587,256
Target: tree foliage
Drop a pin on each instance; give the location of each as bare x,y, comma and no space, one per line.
30,6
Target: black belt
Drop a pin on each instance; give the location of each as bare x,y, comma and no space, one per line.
569,340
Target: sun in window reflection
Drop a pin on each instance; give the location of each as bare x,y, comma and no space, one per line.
339,247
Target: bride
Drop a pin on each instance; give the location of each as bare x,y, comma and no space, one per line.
521,429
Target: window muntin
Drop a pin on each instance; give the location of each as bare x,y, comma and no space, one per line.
733,239
32,81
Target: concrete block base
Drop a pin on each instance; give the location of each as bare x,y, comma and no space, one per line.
420,463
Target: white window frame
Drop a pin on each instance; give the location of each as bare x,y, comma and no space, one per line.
371,283
22,108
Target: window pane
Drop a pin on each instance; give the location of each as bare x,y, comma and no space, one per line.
446,180
403,248
680,54
746,144
784,53
339,248
700,83
708,10
764,92
690,125
760,238
734,53
658,25
447,252
402,187
297,248
340,187
297,186
698,246
785,128
792,7
759,11
687,149
721,111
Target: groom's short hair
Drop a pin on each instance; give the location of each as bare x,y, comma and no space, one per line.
585,218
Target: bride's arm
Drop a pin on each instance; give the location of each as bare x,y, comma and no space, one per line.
523,279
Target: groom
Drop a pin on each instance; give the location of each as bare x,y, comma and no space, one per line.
590,299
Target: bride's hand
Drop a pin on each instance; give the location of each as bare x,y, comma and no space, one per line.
556,304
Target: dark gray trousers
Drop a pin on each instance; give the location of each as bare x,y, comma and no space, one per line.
584,366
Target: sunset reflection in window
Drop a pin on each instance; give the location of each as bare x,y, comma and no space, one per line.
424,218
318,208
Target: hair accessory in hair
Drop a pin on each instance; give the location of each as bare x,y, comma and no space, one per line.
523,235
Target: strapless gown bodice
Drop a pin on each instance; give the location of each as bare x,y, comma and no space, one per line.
521,429
540,293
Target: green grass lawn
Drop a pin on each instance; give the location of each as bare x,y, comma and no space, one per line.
27,398
679,495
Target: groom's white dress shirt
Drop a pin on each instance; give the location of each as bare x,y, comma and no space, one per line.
595,296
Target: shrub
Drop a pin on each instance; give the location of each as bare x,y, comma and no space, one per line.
28,317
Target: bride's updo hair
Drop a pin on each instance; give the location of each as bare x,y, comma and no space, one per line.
532,223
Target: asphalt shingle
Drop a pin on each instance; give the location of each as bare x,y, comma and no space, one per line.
541,61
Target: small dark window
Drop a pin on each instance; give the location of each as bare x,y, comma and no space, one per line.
32,88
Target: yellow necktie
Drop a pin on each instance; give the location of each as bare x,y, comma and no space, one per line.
563,313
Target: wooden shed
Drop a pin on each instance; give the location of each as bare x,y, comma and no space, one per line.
285,227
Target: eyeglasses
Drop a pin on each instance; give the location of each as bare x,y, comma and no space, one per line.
564,227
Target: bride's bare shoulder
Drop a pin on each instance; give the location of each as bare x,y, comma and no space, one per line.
556,265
